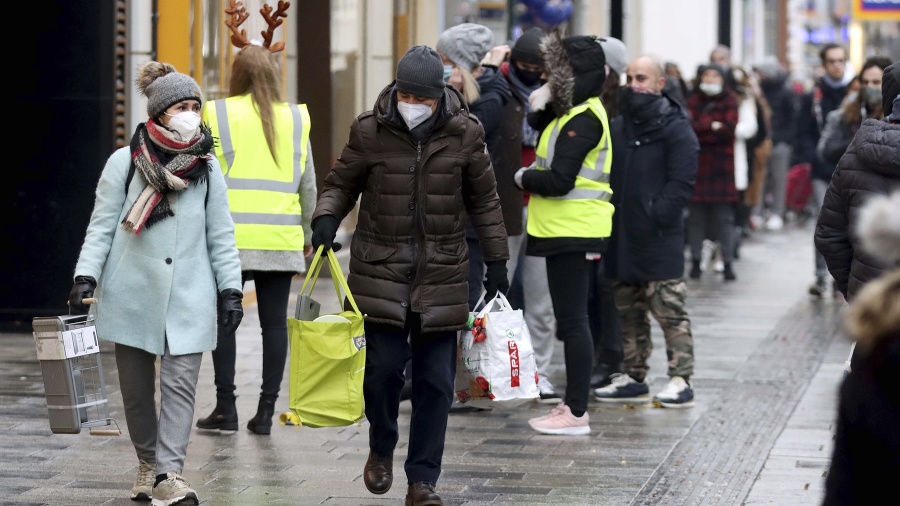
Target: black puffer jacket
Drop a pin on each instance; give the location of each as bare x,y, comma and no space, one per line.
409,250
871,165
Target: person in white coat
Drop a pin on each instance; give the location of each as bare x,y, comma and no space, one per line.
746,129
158,251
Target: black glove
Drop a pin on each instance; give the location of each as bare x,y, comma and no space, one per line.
82,289
230,310
324,231
495,279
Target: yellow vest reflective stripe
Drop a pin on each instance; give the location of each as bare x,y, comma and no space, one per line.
586,210
263,195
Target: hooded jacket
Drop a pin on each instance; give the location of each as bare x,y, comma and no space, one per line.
652,178
575,66
409,251
870,166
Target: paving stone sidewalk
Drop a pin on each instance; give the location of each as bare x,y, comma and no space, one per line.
768,364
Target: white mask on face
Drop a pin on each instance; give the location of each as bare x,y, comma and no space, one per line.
414,114
184,124
711,88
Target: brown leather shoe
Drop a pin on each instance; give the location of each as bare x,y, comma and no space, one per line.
421,493
378,474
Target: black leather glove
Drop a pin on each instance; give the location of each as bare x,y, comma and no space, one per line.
82,289
231,312
324,231
495,279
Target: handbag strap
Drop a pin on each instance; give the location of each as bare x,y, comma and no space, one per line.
337,275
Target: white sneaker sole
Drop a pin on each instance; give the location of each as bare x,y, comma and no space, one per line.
564,431
675,405
644,399
549,400
185,500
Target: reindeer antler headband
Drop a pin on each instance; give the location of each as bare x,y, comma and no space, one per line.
238,14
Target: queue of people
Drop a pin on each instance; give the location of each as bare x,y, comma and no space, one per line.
553,165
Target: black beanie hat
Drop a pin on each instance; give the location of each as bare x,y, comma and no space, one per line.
585,54
420,72
890,87
527,48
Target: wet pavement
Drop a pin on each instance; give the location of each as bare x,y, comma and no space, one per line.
769,361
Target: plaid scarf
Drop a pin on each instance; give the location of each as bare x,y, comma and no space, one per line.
167,165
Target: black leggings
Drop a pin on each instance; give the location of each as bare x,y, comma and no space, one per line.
273,288
568,276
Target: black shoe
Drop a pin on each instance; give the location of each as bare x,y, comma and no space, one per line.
421,493
695,269
378,474
224,417
728,272
462,407
819,288
262,423
602,375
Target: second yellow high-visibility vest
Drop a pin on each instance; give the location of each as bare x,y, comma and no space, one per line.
586,210
263,195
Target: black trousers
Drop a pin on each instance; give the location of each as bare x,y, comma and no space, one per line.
568,276
273,289
606,329
433,357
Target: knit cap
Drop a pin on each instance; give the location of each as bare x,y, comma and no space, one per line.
164,86
616,53
527,48
420,72
466,44
890,87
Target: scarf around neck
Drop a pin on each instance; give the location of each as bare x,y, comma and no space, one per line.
167,165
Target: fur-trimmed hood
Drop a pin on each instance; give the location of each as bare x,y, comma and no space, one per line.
575,66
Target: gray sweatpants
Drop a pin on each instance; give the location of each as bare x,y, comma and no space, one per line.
776,176
161,439
711,220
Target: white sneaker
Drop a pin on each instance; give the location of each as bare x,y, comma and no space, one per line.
677,394
562,422
174,490
143,484
548,394
624,390
774,223
707,253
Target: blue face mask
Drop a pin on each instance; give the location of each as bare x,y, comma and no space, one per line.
447,70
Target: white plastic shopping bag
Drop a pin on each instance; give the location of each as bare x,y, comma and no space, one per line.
495,359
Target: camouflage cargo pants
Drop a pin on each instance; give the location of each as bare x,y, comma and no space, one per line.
665,301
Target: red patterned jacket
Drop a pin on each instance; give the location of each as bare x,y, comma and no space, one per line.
715,175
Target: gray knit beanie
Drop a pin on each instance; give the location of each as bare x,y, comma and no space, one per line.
164,86
616,53
466,44
421,73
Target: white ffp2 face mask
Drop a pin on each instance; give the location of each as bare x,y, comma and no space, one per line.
711,89
414,114
184,124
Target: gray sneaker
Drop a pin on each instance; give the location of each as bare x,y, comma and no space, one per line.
174,490
143,484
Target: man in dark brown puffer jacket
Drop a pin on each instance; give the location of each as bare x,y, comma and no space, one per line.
419,162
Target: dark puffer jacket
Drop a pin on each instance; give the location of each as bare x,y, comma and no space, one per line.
870,166
409,250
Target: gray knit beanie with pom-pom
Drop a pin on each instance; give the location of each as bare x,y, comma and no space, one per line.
164,86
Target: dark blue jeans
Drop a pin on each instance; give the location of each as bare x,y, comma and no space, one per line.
433,355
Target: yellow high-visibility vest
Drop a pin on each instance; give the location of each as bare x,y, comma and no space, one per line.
586,210
263,195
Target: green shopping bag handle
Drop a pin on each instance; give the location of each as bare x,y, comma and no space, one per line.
337,275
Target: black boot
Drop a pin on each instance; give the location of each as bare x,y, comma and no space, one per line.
224,417
262,422
695,269
729,272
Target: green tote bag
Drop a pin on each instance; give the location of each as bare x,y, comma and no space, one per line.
328,358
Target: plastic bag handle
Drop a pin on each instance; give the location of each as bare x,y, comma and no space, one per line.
499,302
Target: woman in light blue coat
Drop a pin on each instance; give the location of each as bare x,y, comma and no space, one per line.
158,251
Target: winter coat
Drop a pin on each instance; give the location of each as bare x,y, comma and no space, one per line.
870,166
811,119
159,288
409,251
835,138
715,175
783,104
653,175
501,116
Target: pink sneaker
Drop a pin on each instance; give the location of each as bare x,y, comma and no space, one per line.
561,421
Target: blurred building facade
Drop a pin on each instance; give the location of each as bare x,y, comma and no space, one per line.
339,55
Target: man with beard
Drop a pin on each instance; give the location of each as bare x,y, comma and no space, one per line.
652,178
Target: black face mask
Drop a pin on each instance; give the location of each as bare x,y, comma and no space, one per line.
634,103
528,78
